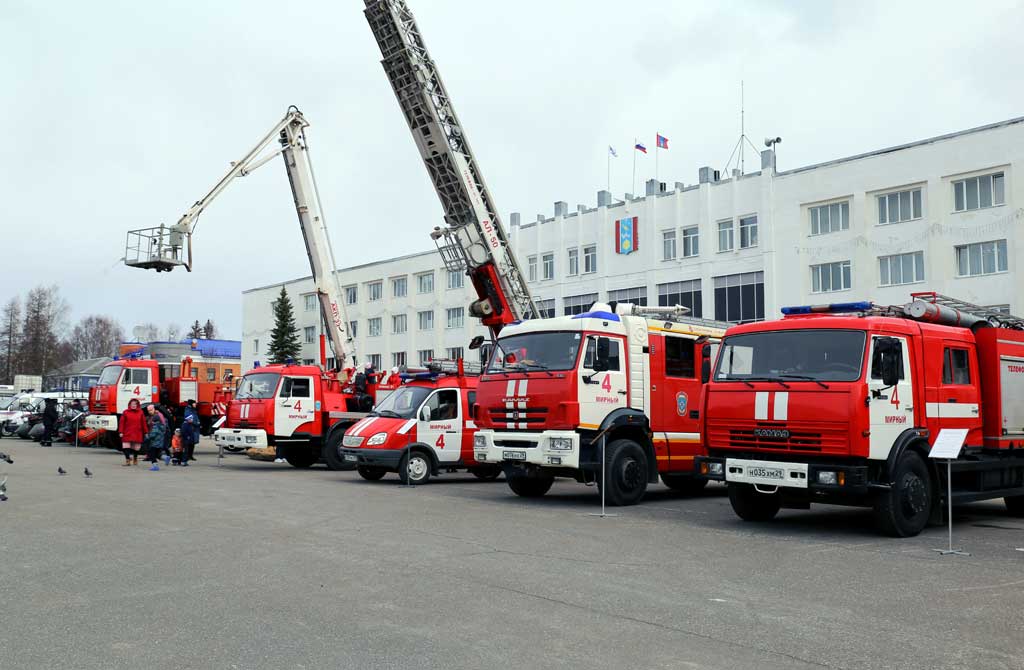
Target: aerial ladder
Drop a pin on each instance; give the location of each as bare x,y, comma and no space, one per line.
473,241
164,248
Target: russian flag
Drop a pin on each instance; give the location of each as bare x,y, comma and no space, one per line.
662,142
640,147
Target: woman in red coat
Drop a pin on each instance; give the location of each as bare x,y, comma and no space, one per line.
132,430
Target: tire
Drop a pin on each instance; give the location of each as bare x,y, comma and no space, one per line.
370,473
689,485
487,473
301,457
625,472
752,505
334,459
1014,505
903,510
414,468
530,487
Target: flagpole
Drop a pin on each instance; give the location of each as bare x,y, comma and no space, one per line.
656,147
608,161
634,165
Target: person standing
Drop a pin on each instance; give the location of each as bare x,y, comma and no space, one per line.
49,421
132,429
156,436
190,430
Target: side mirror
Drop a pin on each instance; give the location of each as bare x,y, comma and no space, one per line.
424,414
602,354
705,364
476,342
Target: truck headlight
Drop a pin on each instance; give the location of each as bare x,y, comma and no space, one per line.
827,477
479,442
560,444
377,439
711,468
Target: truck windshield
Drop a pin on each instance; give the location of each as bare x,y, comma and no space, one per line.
535,351
110,375
792,355
403,403
258,385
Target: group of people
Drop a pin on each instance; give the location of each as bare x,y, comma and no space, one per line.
154,429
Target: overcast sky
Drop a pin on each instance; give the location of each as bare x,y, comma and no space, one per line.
119,115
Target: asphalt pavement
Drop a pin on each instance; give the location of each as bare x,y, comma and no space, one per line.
255,565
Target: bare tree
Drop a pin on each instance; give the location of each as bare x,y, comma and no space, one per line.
146,332
96,336
209,330
10,339
173,332
43,329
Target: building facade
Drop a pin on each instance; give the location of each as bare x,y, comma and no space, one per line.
941,214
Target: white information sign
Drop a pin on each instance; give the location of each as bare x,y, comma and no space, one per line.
949,443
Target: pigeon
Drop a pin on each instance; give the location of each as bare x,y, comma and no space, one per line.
3,490
61,471
87,472
5,457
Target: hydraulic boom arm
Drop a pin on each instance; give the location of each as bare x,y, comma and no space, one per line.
474,241
165,247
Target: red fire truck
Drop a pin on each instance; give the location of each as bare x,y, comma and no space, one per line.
422,429
840,403
624,379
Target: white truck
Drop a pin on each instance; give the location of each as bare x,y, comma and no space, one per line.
28,383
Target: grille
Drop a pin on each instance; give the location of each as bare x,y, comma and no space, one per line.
515,444
526,415
803,437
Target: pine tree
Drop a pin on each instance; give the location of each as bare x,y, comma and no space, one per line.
284,338
196,331
209,330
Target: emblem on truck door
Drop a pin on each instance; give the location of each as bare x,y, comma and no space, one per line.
681,402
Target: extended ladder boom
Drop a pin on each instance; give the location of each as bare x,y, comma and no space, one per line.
165,247
474,241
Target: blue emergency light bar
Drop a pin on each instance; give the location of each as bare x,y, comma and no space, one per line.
833,308
410,376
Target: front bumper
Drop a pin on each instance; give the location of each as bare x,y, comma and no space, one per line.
819,478
374,458
528,448
101,422
245,438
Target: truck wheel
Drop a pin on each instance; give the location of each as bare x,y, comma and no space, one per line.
332,456
685,484
414,468
370,473
903,510
752,505
488,473
625,472
299,457
1014,505
530,487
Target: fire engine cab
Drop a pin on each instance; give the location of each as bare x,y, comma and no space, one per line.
630,377
423,428
840,403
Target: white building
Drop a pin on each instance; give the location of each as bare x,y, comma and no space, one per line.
942,214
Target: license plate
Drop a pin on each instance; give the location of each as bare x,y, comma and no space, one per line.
765,473
350,457
514,455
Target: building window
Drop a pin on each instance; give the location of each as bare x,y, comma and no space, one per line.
830,277
685,293
398,359
455,279
373,326
531,268
256,347
426,319
668,245
454,353
590,258
979,192
375,290
578,304
351,295
425,282
901,268
748,232
574,262
691,242
899,206
725,235
309,333
548,266
455,316
637,296
546,309
831,218
399,287
398,324
680,360
352,328
740,297
425,355
981,258
211,374
375,361
310,301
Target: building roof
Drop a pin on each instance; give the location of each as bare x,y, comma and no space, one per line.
85,367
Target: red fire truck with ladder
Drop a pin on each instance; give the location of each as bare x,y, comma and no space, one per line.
302,408
840,403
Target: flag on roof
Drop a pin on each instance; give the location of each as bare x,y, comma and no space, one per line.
611,152
662,142
640,147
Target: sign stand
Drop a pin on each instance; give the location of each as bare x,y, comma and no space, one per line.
604,482
947,446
